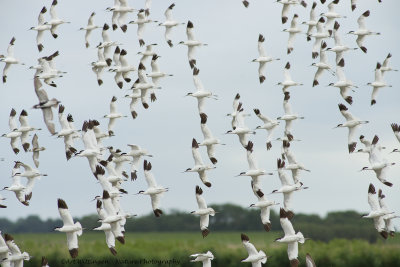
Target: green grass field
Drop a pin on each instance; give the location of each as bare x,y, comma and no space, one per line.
226,247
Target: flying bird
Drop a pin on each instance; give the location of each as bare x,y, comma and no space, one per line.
205,258
262,59
73,230
204,212
362,31
268,125
378,83
89,28
191,43
55,20
9,59
255,257
41,28
169,23
36,149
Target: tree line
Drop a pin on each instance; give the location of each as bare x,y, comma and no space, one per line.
338,224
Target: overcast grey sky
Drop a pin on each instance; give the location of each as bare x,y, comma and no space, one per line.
168,126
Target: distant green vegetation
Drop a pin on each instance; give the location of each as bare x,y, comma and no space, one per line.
347,224
226,247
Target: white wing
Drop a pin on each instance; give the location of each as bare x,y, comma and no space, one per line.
201,201
287,227
293,250
66,217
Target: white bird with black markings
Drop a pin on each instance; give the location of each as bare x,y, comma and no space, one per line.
36,150
286,6
123,10
343,83
17,187
331,14
239,127
113,115
385,65
293,30
396,131
144,86
55,21
9,59
91,151
41,28
312,22
14,135
191,43
376,213
147,53
390,215
362,31
287,188
114,218
141,21
45,104
262,59
379,164
99,65
288,82
352,123
125,68
155,73
264,205
4,251
17,257
169,23
73,230
321,34
205,258
254,171
89,28
209,140
339,47
321,65
67,133
32,175
268,125
199,165
136,153
294,166
154,190
378,83
257,258
291,237
201,94
106,227
107,43
289,116
204,212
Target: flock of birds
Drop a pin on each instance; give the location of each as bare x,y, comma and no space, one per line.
108,164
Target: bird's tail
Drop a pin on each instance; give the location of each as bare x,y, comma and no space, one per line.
26,256
79,232
301,238
262,253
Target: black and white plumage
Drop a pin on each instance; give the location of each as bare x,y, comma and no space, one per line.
154,190
169,23
288,82
36,150
199,165
73,230
286,6
201,94
321,34
239,127
352,123
254,171
191,43
55,21
312,22
15,257
255,257
379,164
291,237
137,153
268,125
378,83
13,134
205,258
41,28
343,83
141,21
362,31
289,116
293,30
264,205
203,211
9,59
385,65
89,28
376,213
321,65
209,140
91,151
389,216
262,59
45,104
113,217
